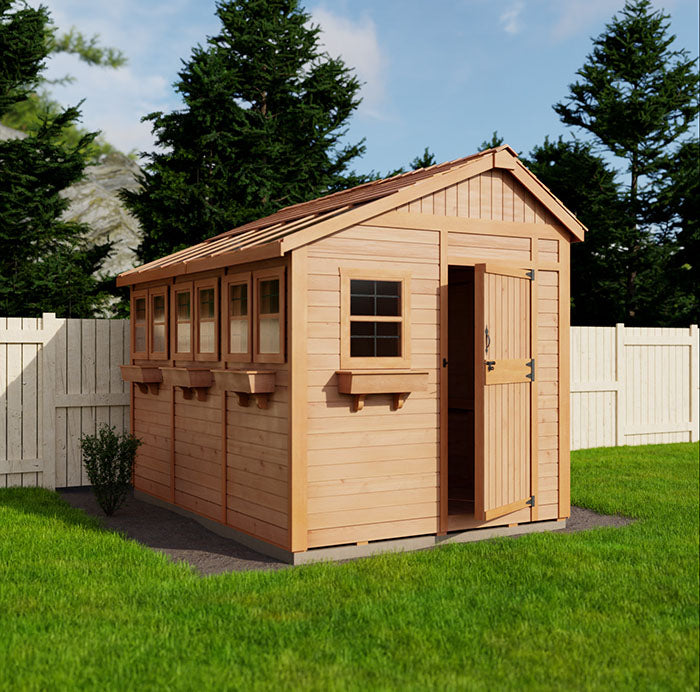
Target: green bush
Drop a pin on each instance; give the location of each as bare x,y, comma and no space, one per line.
109,462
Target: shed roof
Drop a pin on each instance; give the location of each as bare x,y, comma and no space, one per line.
300,224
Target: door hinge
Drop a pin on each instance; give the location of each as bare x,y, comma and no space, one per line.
530,273
490,364
531,501
444,362
531,375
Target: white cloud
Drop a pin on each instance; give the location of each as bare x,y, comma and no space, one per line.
510,19
356,42
580,16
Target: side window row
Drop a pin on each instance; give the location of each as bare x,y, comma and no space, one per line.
239,319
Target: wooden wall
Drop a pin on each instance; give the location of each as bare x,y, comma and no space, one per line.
374,474
371,474
223,461
494,195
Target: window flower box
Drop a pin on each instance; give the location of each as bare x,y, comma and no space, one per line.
398,383
192,381
247,383
146,377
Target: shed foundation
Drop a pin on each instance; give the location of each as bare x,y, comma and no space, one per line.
350,552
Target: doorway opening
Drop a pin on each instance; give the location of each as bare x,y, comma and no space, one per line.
460,388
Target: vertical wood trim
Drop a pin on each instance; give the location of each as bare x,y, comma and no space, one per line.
620,413
479,384
298,395
224,478
564,385
444,402
172,444
694,384
534,431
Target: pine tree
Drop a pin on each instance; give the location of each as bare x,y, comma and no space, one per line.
44,264
637,98
586,184
262,127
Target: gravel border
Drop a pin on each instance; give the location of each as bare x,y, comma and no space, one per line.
185,540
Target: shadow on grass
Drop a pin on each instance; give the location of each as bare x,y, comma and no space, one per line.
46,504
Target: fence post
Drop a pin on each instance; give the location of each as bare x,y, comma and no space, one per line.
694,383
47,418
620,397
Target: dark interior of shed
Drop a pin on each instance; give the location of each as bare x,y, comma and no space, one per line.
460,390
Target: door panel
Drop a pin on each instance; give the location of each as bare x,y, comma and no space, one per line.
504,368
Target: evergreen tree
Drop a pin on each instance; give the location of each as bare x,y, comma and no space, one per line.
29,114
637,97
495,141
44,264
678,213
586,185
262,126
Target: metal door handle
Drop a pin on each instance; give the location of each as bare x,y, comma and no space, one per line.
488,339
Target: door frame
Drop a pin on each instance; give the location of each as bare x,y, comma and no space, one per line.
445,263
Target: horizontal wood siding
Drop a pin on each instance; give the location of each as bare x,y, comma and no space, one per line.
257,460
547,382
372,474
151,414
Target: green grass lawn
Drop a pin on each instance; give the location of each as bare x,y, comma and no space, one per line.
603,609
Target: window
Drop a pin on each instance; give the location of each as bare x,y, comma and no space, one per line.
139,324
374,326
182,312
206,323
269,315
237,308
158,344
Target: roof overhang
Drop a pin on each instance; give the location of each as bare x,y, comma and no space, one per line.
276,239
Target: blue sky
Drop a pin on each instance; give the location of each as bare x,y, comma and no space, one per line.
443,74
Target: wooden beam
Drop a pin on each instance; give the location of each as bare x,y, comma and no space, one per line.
443,379
534,426
298,395
564,382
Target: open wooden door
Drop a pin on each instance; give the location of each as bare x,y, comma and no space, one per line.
504,340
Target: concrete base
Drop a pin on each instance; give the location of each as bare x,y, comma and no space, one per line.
350,552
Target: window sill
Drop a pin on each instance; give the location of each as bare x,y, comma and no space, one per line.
398,383
146,377
192,381
246,383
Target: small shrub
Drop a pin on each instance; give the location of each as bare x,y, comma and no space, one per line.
109,462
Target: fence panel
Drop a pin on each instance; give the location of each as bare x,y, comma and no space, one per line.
633,386
59,379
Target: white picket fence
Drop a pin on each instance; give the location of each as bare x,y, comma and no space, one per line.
59,379
633,386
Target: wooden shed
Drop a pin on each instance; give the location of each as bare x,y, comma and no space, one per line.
385,367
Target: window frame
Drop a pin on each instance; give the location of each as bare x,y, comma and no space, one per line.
348,362
200,285
184,287
259,276
152,294
136,295
240,279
